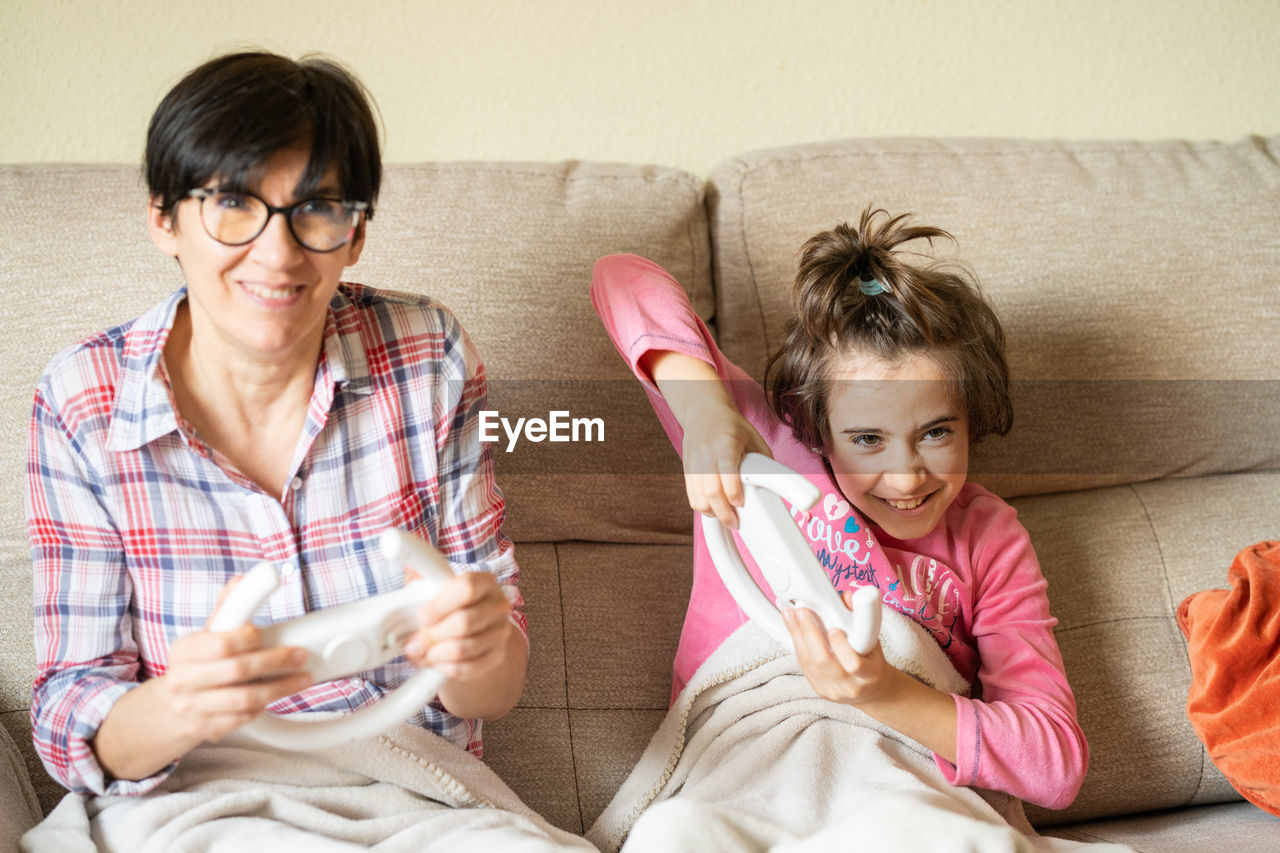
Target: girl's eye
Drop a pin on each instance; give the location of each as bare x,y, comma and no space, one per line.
867,440
937,433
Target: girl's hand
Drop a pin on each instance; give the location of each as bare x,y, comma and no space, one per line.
831,666
465,631
217,682
716,437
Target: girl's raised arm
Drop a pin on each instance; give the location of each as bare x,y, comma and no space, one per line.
650,320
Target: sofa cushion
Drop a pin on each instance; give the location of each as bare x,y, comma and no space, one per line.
508,247
1118,561
21,808
1137,283
1230,826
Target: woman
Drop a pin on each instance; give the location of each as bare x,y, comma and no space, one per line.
265,411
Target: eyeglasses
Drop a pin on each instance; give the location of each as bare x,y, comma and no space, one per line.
237,218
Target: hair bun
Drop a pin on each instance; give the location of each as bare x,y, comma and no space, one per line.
836,266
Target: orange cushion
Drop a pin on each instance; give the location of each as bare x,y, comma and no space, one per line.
1234,702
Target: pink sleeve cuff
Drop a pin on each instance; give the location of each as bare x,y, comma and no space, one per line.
968,745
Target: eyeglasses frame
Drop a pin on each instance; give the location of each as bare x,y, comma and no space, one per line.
202,193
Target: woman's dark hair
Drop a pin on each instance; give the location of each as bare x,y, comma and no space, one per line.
934,310
226,118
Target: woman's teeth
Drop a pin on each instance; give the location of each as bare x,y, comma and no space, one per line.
270,292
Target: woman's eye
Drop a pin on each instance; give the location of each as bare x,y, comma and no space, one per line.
321,207
230,201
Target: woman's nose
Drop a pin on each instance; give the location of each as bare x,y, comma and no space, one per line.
276,247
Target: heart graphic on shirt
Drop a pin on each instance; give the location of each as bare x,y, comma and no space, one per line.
834,508
851,524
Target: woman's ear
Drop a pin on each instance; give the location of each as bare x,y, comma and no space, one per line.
160,226
356,245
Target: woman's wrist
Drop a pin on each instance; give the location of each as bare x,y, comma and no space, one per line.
138,738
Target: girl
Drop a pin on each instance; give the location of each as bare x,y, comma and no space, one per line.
887,375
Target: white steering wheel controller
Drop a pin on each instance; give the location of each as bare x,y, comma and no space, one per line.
780,550
344,640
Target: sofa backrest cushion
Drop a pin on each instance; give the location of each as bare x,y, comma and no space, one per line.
1137,283
507,247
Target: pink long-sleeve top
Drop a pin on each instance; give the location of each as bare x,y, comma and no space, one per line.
973,582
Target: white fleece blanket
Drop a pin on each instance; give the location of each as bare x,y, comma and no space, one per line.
405,791
749,758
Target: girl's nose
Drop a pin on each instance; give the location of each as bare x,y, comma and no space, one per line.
906,474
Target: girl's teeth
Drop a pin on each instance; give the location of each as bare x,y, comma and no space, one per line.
905,504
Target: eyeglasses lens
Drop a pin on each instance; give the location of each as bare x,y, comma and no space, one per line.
320,225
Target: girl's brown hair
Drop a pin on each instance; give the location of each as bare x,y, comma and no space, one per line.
932,310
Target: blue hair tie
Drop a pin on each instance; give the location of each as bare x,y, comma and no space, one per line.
872,287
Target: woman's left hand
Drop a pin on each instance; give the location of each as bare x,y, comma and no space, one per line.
465,630
828,661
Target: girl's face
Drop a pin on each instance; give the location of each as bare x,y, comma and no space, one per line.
899,442
268,298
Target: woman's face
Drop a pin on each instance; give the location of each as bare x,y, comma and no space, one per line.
267,299
899,442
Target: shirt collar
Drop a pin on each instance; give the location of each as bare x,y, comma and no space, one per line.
344,350
142,410
143,407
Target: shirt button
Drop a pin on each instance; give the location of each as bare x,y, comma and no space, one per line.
296,483
287,569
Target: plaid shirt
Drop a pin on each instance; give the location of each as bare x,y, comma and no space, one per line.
136,524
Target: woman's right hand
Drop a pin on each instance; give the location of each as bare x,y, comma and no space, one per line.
217,682
214,684
716,437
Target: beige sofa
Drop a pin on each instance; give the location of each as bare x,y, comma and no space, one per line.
1140,287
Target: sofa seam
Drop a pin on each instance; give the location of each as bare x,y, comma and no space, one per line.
1050,147
746,253
1095,624
1173,609
568,715
699,196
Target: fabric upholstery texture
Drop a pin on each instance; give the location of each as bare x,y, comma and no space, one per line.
1142,459
1122,273
21,807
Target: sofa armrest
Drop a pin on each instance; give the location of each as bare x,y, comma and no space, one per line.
21,808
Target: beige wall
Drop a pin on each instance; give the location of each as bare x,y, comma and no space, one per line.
679,82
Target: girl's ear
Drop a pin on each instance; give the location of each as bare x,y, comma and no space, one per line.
160,226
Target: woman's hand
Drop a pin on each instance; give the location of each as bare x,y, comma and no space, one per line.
464,630
217,682
466,633
214,684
